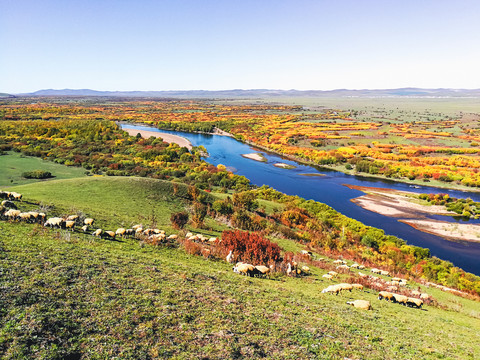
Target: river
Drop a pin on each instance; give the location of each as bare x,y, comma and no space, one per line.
328,188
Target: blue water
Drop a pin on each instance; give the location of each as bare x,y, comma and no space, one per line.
329,189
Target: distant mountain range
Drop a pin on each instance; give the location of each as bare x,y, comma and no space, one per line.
262,93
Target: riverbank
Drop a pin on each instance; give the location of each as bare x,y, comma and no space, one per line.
409,210
451,231
168,138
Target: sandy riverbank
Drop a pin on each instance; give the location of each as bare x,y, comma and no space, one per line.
454,231
408,209
169,138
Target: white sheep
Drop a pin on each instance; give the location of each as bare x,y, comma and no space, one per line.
261,270
54,222
244,269
70,224
360,304
229,257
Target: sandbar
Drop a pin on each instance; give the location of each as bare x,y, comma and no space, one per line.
455,231
284,166
255,156
409,210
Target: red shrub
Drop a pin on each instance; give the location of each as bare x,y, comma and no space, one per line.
250,247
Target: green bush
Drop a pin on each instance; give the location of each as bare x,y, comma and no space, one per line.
37,174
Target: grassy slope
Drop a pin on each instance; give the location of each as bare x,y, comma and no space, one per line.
65,294
14,164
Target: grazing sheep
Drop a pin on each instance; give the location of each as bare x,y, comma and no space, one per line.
88,221
70,224
25,216
33,216
345,286
396,279
85,228
360,304
72,218
424,296
129,232
41,217
361,267
172,237
306,253
244,269
108,235
337,262
212,239
385,295
305,269
400,299
415,293
354,266
9,204
229,257
358,286
15,196
361,274
121,232
4,195
148,232
327,276
97,232
337,288
414,302
343,267
54,222
333,273
12,214
375,271
331,289
138,226
384,273
261,270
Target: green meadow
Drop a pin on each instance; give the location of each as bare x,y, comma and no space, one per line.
14,164
71,296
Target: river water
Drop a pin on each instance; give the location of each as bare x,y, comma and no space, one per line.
328,188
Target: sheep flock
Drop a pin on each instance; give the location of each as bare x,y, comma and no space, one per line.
387,289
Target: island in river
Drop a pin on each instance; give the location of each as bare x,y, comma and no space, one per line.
410,210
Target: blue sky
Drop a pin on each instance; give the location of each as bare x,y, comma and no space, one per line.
241,44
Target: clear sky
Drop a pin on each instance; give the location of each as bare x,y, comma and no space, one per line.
238,44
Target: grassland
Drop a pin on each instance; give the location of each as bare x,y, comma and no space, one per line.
14,164
69,296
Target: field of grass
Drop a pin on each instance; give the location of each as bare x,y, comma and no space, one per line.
70,296
113,201
14,164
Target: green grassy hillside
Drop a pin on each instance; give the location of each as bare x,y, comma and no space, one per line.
14,164
72,296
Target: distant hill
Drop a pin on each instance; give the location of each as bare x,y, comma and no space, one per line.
262,93
5,95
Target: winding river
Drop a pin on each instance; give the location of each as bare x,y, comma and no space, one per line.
328,188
